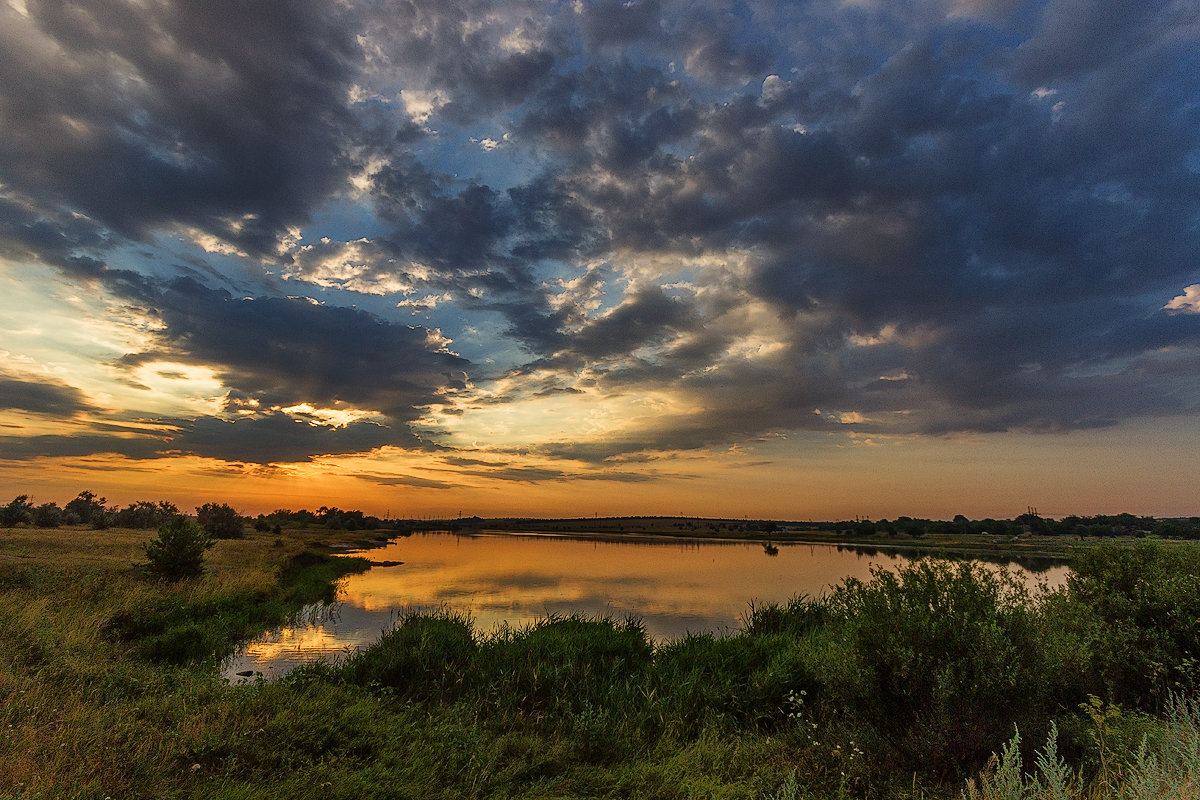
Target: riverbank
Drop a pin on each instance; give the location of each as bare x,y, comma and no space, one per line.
890,689
1058,549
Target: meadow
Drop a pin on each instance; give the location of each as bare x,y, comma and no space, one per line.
904,686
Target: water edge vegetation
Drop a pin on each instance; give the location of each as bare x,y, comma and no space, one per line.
898,687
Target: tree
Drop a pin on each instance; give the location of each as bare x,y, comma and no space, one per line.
85,506
47,515
18,511
219,521
178,550
144,514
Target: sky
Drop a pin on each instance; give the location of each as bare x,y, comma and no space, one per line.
802,260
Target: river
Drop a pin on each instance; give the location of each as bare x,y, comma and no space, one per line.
674,586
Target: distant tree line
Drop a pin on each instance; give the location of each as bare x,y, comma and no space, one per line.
218,520
221,521
1101,525
331,518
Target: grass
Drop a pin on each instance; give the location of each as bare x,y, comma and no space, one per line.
1165,764
899,687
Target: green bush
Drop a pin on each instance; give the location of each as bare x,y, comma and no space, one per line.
19,510
946,659
1138,608
47,515
220,521
178,550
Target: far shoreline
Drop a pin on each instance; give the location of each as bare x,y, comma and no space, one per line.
999,547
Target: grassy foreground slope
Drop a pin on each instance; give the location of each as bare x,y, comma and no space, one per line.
899,687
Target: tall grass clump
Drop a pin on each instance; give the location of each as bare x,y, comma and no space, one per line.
748,681
424,657
563,665
797,617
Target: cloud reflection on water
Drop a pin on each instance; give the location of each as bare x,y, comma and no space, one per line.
675,587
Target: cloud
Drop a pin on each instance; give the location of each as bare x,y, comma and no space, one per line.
222,118
302,379
1186,303
286,351
27,448
42,396
754,212
279,438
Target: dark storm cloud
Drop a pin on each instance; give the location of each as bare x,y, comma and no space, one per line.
879,216
265,439
227,117
277,437
455,47
477,243
1020,237
406,480
615,22
645,317
25,448
29,234
617,115
283,351
272,353
42,397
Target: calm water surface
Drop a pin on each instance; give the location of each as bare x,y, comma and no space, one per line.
674,586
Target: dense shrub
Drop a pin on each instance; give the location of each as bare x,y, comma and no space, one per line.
178,550
945,660
219,521
47,515
144,514
1138,611
19,510
86,507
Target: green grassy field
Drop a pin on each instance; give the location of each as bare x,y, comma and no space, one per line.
898,688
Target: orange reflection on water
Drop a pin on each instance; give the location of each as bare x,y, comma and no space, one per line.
673,586
515,579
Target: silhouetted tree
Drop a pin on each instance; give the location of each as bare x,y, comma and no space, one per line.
144,514
85,506
19,510
47,515
219,521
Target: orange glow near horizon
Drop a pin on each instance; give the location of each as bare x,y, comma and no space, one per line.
1125,470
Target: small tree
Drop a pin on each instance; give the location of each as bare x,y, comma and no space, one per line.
219,521
47,515
178,550
86,506
18,511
